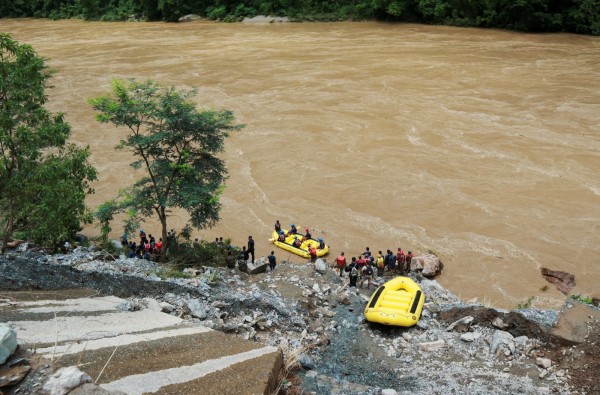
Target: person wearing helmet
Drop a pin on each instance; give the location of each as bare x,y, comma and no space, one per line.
293,230
321,243
307,236
297,242
281,236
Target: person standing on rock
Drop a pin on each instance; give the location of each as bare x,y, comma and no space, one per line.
409,257
251,247
272,261
353,272
341,263
367,274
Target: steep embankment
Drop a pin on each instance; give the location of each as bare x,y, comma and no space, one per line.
316,319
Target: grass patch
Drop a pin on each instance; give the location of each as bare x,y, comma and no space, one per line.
525,304
583,299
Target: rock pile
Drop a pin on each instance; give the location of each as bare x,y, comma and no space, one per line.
310,312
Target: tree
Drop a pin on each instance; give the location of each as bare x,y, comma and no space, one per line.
43,180
176,146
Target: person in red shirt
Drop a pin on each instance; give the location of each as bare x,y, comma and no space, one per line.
409,257
312,250
401,259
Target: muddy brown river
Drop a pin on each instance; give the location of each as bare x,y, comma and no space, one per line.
481,145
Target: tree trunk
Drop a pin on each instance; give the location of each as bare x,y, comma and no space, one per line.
163,221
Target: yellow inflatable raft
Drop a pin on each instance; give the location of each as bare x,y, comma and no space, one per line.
303,250
398,302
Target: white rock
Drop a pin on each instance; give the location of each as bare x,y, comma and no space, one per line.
8,342
470,336
407,336
389,391
502,338
432,346
320,266
316,288
65,379
543,362
166,307
461,325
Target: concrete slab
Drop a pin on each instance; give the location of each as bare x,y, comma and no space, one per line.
143,351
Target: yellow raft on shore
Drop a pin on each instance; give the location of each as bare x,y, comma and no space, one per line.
303,250
398,302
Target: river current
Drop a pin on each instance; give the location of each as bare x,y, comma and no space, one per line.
480,145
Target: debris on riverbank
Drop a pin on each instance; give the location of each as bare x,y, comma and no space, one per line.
455,347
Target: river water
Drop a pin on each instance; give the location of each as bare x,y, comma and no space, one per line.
481,145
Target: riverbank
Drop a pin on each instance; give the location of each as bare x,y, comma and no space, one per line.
456,345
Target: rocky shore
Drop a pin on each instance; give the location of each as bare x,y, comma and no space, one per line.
317,320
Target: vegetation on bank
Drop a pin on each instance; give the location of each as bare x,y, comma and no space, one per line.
577,16
43,178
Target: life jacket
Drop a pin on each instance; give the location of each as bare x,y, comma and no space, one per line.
341,260
281,237
159,245
312,250
321,245
379,261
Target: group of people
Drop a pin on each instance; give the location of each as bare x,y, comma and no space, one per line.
299,239
368,264
147,247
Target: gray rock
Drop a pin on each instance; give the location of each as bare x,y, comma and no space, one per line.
502,338
389,391
197,309
461,325
432,346
189,18
65,379
166,307
470,336
498,323
306,362
8,342
320,266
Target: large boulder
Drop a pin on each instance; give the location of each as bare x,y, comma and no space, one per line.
259,266
320,266
428,264
8,342
197,308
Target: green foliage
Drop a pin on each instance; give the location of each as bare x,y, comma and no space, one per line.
525,304
583,299
184,253
175,144
43,180
578,16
